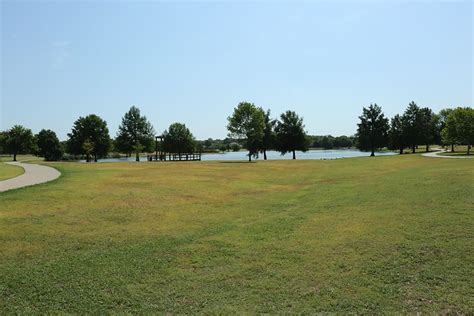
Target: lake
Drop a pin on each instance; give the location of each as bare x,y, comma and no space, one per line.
274,155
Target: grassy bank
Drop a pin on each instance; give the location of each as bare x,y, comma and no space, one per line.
9,171
380,234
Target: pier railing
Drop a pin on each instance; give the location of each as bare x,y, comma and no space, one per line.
175,157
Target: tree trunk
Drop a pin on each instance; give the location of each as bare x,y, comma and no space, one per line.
250,157
413,149
401,150
137,157
468,149
264,155
427,148
88,158
452,148
372,153
14,157
294,155
95,157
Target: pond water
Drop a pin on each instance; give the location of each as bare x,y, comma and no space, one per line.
274,155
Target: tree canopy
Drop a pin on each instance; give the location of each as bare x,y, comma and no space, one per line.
19,140
460,126
48,145
269,136
330,142
397,134
178,139
447,137
89,137
429,127
290,134
372,131
3,142
135,133
248,123
412,125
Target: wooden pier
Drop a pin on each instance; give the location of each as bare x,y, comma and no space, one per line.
160,155
175,157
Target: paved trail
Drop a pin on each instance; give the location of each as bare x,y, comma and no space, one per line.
434,154
34,174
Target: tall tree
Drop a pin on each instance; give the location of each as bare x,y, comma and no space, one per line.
48,145
290,134
89,137
135,133
178,139
3,142
396,134
19,140
248,123
447,137
462,121
372,131
428,127
412,125
269,136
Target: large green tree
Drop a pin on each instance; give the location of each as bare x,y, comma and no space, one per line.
3,142
89,137
448,136
413,125
290,134
178,139
19,140
396,134
461,121
269,136
372,131
48,145
248,123
429,130
135,134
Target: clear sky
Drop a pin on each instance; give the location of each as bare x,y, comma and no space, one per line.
193,62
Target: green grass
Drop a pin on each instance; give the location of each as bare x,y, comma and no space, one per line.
22,158
462,154
9,171
365,235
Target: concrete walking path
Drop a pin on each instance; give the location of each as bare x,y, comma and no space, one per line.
34,174
434,154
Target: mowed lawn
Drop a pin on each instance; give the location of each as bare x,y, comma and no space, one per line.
9,171
366,235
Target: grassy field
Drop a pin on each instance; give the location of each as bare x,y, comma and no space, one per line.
23,158
462,154
366,235
9,171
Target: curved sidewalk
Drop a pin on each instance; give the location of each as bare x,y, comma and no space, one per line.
34,174
434,154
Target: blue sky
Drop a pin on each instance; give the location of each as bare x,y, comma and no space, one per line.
194,62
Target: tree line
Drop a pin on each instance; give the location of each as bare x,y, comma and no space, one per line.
416,126
314,141
330,142
90,138
260,133
250,127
